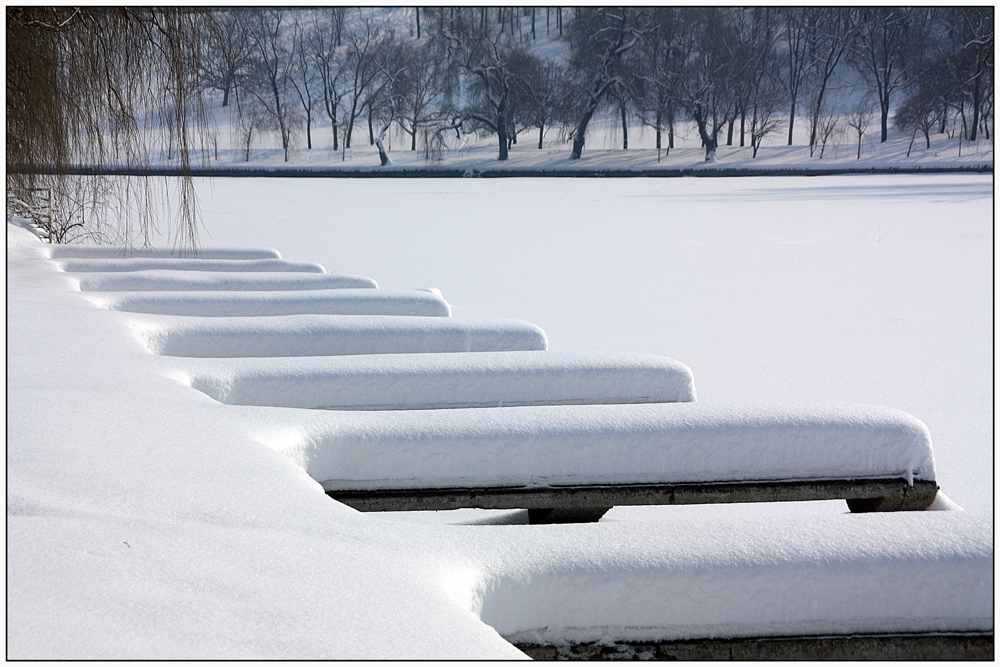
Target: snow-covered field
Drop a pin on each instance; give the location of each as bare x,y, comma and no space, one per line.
148,520
603,151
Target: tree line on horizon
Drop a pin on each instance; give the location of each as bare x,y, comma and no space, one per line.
94,85
749,72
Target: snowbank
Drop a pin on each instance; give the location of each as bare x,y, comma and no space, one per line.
109,252
236,304
422,381
601,444
308,335
726,577
186,264
167,280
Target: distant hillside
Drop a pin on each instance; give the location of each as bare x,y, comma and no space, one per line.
511,88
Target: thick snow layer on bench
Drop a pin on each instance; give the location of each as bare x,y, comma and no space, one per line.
301,302
477,379
311,335
209,281
606,444
186,264
118,252
688,577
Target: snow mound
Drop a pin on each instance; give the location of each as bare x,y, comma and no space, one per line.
741,577
118,252
424,381
185,264
311,335
236,304
165,280
603,444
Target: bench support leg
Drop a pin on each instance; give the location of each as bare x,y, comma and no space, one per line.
902,499
551,515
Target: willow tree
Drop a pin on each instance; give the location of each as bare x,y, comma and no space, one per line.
97,90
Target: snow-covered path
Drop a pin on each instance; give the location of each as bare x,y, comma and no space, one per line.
147,520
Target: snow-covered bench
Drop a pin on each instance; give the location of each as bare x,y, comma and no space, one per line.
168,280
502,426
119,252
331,335
294,302
130,264
573,463
443,381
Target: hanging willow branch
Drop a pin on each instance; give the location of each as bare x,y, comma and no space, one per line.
100,87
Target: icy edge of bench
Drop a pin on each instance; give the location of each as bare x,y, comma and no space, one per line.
444,381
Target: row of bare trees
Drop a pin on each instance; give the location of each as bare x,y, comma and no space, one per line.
741,73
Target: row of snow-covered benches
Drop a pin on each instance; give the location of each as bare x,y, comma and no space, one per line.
404,407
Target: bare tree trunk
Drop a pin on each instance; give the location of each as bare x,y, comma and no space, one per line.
976,101
884,105
502,135
709,141
581,131
621,107
791,121
383,156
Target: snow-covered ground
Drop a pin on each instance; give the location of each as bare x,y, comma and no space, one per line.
146,519
603,151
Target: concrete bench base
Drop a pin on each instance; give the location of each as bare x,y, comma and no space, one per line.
571,504
956,646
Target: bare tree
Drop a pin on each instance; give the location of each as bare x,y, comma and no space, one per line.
828,125
768,99
860,117
272,70
661,57
224,64
363,79
486,53
968,61
75,75
537,92
884,52
599,38
919,112
304,75
796,24
416,89
330,65
829,41
706,84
